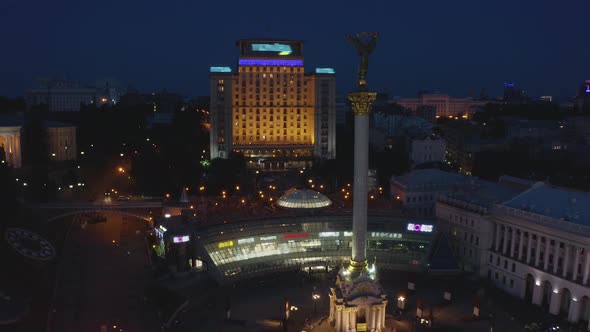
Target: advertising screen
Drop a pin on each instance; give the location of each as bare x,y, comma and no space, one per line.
270,48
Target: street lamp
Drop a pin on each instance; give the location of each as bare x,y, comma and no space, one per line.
401,302
315,297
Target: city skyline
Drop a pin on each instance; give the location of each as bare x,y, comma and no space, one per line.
454,48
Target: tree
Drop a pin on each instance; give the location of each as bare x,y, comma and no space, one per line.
8,194
37,151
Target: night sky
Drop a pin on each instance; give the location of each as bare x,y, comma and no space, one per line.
455,46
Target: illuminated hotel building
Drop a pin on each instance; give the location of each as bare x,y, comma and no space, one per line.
270,110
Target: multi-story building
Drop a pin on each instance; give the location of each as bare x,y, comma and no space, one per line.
463,141
342,108
427,150
445,105
68,96
534,245
271,111
61,139
418,189
464,215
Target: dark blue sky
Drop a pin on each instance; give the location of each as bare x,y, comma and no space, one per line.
454,46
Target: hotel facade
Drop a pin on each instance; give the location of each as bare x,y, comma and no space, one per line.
270,110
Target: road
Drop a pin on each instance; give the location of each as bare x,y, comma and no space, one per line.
102,278
103,204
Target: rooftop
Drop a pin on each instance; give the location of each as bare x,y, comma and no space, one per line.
303,199
558,203
18,120
427,178
485,194
11,120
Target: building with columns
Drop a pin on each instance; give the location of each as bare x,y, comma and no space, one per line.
535,245
10,141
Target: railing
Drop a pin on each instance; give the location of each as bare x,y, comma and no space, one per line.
462,204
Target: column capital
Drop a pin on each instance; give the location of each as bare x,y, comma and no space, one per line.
361,102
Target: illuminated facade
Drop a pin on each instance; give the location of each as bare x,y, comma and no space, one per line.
10,141
270,110
241,250
534,245
445,105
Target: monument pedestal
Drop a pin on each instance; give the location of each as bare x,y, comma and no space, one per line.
357,302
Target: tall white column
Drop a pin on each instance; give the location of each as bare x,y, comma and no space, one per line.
537,294
586,268
546,254
555,301
373,318
513,243
10,151
5,146
566,260
498,226
556,254
573,314
383,314
339,319
360,190
505,244
520,245
538,250
576,264
529,249
18,152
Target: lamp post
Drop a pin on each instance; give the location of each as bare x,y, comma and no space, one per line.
401,303
315,296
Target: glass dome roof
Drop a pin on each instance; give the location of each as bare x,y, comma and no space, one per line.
303,199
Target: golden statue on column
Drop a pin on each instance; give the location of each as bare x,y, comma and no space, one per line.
357,301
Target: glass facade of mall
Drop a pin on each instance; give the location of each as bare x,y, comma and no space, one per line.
239,250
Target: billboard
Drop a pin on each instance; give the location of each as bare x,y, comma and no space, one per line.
270,48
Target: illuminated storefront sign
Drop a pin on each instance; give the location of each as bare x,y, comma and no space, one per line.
282,49
180,239
245,241
220,70
268,238
386,235
422,228
226,244
271,62
159,233
347,233
325,71
329,234
295,235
